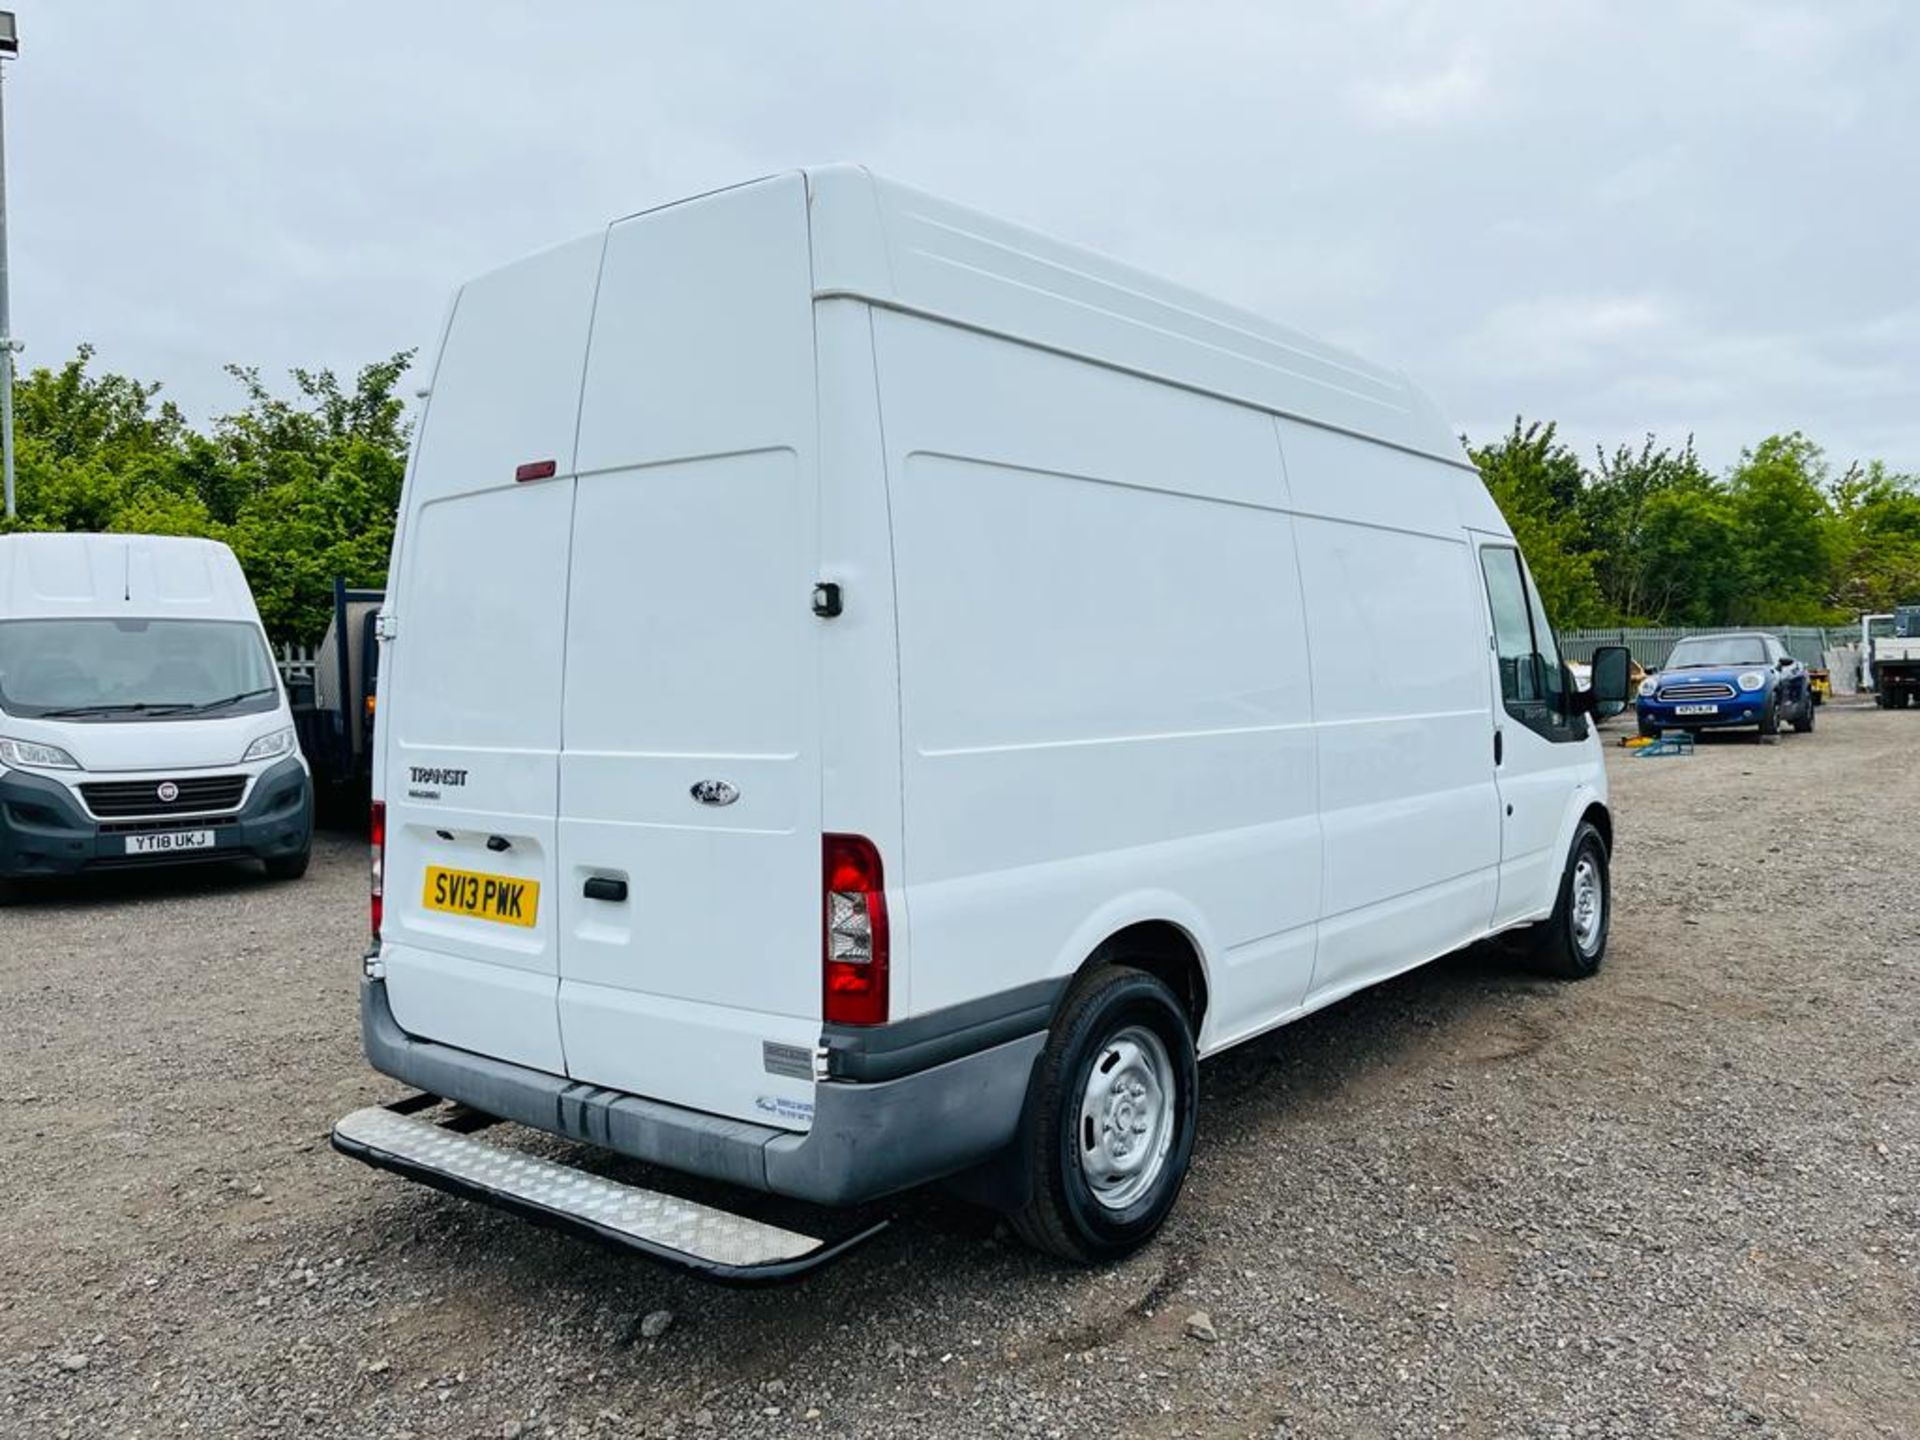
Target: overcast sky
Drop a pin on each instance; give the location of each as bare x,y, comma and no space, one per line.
1624,216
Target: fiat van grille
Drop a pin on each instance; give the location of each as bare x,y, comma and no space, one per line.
1697,690
116,798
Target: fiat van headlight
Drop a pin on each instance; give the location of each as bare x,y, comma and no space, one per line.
270,747
1647,687
1752,680
32,755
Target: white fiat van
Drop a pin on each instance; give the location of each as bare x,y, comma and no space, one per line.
142,721
873,694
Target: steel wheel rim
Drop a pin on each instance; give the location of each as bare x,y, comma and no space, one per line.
1589,904
1126,1117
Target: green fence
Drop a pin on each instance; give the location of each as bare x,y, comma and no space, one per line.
1806,643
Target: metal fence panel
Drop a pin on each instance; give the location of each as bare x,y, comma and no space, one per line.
296,663
1651,645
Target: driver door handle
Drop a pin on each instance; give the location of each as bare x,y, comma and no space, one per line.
1499,747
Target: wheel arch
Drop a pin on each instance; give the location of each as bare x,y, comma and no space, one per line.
1160,933
1601,818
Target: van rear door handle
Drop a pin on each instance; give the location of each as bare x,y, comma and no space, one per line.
604,887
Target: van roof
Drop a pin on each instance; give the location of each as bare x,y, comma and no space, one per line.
149,576
895,246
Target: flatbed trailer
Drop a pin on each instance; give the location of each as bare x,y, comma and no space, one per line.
335,719
1895,661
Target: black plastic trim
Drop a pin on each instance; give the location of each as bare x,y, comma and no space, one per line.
887,1052
867,1140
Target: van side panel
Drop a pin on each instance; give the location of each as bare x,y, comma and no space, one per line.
1104,681
470,696
1401,709
691,656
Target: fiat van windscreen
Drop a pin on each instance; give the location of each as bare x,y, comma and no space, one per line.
86,668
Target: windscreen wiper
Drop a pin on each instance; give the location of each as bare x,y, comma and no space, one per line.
138,707
224,701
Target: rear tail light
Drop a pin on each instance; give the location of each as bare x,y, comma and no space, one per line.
854,921
377,866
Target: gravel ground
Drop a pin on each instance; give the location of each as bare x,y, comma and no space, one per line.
1677,1200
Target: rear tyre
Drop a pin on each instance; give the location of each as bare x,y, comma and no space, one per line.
1109,1127
1570,943
9,892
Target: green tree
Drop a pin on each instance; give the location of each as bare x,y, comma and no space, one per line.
1688,557
304,488
1874,542
1537,482
1780,521
1615,509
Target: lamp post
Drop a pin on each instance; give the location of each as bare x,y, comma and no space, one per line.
9,47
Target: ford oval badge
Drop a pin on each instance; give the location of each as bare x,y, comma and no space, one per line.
714,792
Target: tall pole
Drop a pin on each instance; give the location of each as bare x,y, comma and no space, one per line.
6,319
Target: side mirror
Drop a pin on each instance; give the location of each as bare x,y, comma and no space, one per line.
1786,662
1607,689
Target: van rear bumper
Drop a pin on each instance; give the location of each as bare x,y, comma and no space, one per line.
868,1138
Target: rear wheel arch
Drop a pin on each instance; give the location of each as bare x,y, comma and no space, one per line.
1164,950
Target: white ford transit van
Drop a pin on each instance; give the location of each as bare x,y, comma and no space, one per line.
142,721
873,694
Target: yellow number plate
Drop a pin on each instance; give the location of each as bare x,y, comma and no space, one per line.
484,897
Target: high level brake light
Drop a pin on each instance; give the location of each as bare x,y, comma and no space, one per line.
854,922
377,866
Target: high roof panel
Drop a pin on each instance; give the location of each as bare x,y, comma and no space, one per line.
893,245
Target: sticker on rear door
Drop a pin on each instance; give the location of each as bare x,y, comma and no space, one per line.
793,1062
782,1108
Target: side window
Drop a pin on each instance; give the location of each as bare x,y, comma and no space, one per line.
1553,674
1532,680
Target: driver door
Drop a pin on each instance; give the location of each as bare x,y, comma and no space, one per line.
1539,751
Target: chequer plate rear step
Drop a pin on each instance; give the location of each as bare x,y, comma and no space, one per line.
711,1242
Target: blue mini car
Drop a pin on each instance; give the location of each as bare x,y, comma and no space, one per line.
1713,682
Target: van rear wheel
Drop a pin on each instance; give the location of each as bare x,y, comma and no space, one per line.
1110,1124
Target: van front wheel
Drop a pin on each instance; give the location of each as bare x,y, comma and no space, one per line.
1110,1122
288,867
1571,943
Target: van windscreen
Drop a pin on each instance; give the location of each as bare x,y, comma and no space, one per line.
84,668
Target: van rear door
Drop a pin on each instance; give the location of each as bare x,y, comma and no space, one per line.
688,891
470,709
